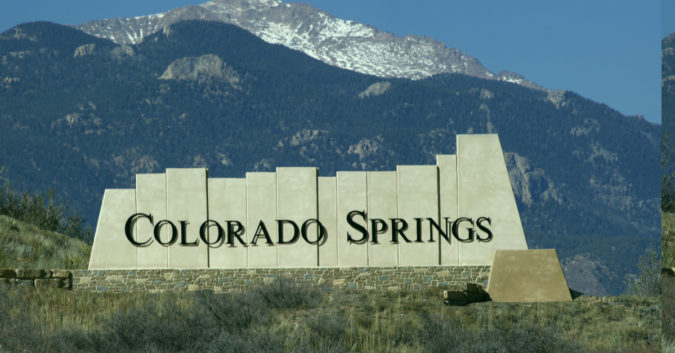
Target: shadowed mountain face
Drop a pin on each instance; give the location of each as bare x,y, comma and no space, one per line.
80,114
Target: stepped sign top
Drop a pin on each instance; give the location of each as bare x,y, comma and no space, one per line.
457,212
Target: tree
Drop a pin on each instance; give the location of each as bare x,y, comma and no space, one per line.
648,280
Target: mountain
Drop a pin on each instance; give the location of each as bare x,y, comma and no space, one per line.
80,114
341,43
668,112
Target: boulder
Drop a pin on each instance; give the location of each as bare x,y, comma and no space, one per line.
466,294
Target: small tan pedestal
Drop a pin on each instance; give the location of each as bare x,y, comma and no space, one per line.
527,276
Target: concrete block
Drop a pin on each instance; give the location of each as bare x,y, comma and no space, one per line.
111,249
527,276
227,202
484,190
328,251
447,201
417,201
382,205
297,202
186,201
151,199
261,205
351,196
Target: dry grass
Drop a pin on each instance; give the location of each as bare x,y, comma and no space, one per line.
296,319
668,281
667,239
342,321
23,245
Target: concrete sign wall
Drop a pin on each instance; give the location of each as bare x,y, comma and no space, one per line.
457,212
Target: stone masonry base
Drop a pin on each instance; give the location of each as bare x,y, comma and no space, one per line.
35,278
227,280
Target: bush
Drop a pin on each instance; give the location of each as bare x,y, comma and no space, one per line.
207,323
525,339
326,333
443,335
17,329
254,341
236,313
648,280
165,326
283,293
44,212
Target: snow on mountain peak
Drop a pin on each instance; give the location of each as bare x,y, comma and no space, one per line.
342,43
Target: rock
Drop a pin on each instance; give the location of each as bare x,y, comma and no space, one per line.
468,293
122,51
375,89
84,50
30,273
50,283
7,273
202,69
24,282
60,274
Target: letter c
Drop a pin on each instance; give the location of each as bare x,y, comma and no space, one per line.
131,221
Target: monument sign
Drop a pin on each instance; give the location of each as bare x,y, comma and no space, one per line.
457,212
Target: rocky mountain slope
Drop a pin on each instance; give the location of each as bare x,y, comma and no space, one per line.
668,112
341,43
80,114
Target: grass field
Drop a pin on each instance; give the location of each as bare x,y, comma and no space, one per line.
668,281
668,239
23,245
284,317
289,318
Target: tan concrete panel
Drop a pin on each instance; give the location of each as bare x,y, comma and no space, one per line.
151,199
418,198
328,251
227,202
527,276
261,205
351,196
186,201
111,249
484,190
297,202
382,204
447,196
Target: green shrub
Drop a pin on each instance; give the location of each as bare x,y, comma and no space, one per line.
234,312
44,212
283,293
17,327
525,339
442,335
326,333
648,280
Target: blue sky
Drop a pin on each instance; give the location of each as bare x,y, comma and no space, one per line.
605,50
